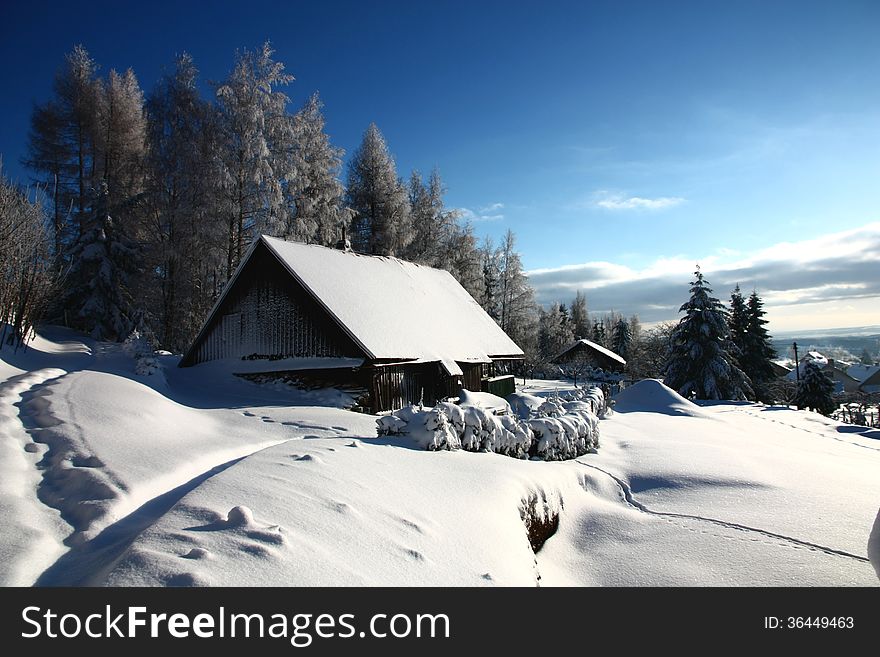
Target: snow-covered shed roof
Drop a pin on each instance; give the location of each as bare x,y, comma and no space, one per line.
591,345
393,308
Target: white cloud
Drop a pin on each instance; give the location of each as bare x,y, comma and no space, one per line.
484,213
823,274
621,202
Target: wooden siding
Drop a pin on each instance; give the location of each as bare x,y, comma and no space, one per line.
399,385
267,314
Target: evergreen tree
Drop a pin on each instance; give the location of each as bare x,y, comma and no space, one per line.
381,222
315,207
257,142
622,339
865,358
580,318
757,349
738,319
700,361
598,334
815,390
102,259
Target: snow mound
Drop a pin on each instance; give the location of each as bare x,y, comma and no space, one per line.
652,396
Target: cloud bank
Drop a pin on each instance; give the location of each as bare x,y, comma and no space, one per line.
800,282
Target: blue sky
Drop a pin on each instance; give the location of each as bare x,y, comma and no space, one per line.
622,141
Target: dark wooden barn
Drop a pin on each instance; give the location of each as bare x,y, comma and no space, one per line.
402,332
591,354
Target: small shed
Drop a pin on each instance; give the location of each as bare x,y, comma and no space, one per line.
403,332
591,355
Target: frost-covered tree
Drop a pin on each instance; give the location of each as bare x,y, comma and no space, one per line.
489,299
553,333
61,145
381,222
27,279
257,138
516,298
757,349
315,212
865,358
120,136
103,259
580,318
815,390
432,223
621,339
463,260
185,242
700,361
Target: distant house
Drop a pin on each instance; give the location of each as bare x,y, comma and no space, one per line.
591,354
868,377
402,332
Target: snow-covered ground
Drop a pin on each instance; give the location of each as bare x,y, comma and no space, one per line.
200,478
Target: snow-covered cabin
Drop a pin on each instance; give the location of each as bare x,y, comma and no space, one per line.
592,354
401,331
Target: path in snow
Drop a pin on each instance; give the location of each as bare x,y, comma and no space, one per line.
32,532
629,498
86,564
824,434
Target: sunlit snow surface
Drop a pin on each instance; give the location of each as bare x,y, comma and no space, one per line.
111,478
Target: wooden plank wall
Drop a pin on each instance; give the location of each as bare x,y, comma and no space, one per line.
268,315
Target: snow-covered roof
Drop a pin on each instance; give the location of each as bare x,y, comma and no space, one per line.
862,372
592,345
393,308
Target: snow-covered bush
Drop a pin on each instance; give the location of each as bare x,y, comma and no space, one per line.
547,429
140,348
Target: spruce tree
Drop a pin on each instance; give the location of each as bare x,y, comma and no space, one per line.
622,339
98,293
815,390
739,319
700,361
757,349
598,333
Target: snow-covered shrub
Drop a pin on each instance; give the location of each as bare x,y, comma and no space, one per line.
524,405
429,428
552,430
139,347
551,408
391,425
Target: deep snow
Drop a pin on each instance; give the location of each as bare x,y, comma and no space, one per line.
200,477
